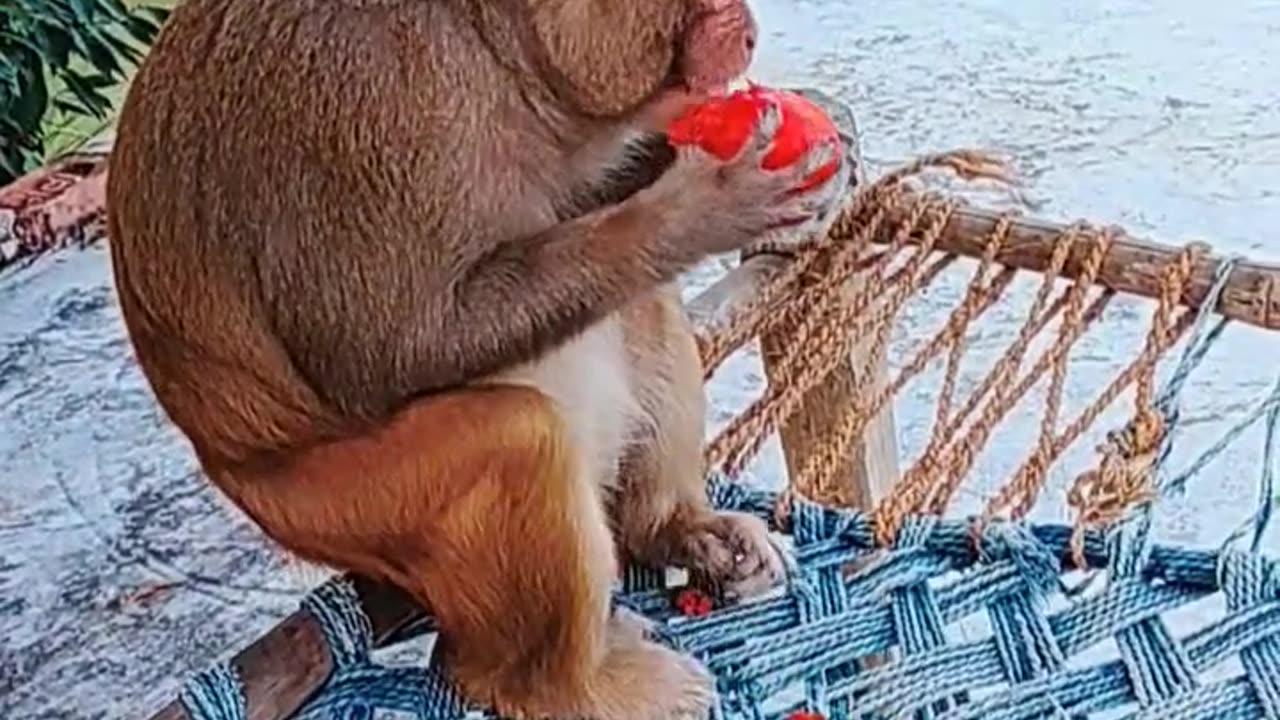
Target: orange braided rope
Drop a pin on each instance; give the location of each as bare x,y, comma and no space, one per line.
820,321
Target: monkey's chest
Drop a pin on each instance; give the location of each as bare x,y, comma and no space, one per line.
588,379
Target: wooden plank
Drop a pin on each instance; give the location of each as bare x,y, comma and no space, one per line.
1252,293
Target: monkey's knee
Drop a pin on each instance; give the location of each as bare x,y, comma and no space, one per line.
475,502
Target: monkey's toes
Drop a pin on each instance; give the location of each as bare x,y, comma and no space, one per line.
734,554
642,680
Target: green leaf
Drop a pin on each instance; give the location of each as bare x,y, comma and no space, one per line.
32,99
22,41
113,10
100,54
157,13
56,41
13,164
142,29
98,81
84,10
15,136
122,48
95,102
8,70
60,62
69,105
117,8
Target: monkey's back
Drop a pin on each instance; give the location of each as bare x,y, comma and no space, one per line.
285,204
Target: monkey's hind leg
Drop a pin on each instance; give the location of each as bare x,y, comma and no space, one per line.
661,509
471,501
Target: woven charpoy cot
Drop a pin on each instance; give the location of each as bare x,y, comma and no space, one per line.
861,628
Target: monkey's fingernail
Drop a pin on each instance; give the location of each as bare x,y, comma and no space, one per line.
824,153
790,222
770,120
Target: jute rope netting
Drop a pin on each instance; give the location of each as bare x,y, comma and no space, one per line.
821,323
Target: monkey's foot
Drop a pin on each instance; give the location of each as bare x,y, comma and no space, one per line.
732,553
636,679
642,680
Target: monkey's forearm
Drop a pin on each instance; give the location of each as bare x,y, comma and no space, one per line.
647,159
533,294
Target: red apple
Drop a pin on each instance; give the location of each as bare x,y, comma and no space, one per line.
722,124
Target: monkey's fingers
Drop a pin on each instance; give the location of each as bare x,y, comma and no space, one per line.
768,121
821,155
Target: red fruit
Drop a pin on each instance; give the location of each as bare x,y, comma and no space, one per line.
721,126
805,715
693,602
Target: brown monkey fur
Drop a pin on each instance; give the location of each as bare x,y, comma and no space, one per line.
403,271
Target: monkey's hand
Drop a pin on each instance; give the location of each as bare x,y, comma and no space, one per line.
826,200
723,205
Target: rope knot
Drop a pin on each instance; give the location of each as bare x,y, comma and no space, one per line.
1122,478
1140,437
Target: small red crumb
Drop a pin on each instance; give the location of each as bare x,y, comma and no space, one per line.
721,125
805,715
693,602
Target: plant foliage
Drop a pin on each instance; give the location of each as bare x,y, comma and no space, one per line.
62,55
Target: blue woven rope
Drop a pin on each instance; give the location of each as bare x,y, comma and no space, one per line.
1155,665
358,686
214,694
1267,497
347,629
762,651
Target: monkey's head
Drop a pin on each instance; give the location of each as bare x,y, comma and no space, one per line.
644,59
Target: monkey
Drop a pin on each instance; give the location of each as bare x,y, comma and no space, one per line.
404,273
